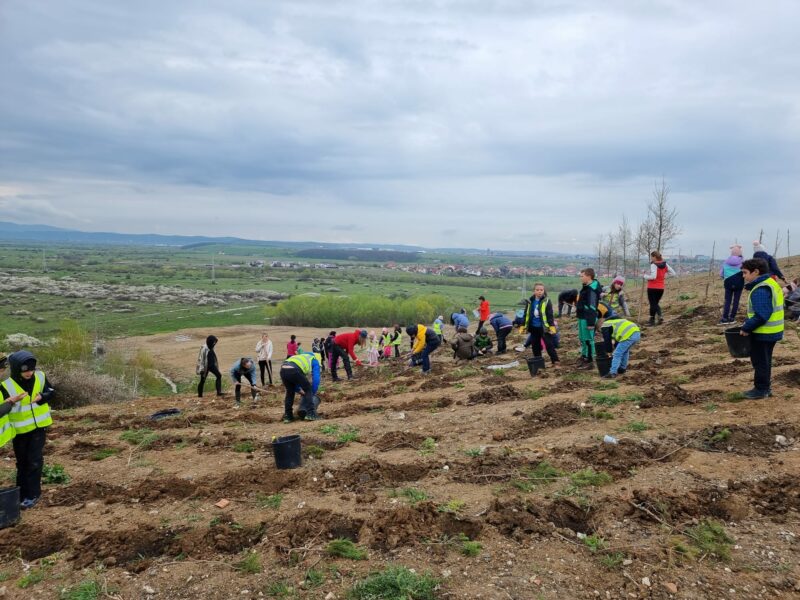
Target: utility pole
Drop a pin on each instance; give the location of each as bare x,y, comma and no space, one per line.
213,273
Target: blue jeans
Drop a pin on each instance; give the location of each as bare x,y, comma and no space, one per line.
426,354
623,352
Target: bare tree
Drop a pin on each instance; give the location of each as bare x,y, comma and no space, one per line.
645,240
777,243
626,242
664,219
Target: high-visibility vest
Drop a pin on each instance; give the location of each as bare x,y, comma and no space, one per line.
399,339
437,327
304,361
386,340
775,323
622,329
26,414
542,312
7,431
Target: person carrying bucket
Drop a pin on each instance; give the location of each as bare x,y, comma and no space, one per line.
540,323
294,375
28,392
764,323
626,334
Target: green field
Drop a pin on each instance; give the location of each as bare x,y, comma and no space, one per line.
190,269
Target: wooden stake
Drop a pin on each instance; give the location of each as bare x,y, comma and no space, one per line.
710,270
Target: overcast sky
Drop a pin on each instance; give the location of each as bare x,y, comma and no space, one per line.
526,125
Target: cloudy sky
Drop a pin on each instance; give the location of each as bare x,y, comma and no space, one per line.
520,124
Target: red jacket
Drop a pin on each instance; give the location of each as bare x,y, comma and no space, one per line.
348,342
483,310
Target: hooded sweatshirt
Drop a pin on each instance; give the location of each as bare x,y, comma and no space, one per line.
731,272
761,252
15,362
464,345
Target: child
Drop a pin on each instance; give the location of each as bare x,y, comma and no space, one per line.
586,311
318,348
291,346
772,265
386,343
483,343
373,351
655,284
459,319
733,282
207,363
626,334
264,355
764,323
328,345
463,345
502,327
540,323
438,326
615,297
483,312
396,339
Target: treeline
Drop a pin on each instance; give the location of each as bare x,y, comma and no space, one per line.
362,310
360,255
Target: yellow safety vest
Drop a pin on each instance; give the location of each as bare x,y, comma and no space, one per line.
437,327
7,431
775,323
398,340
26,414
542,312
622,329
304,361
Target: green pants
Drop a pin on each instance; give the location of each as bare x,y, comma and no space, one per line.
586,337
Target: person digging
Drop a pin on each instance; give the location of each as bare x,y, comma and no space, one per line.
244,367
294,375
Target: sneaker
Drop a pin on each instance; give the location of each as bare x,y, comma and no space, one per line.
755,394
609,376
287,419
28,503
237,406
310,417
587,365
428,372
723,322
621,371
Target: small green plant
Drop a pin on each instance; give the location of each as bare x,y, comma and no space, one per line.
345,548
710,407
314,451
459,385
246,446
721,436
577,376
607,385
612,560
614,399
251,564
499,373
681,379
589,477
272,501
143,438
395,583
735,396
709,538
31,578
462,372
4,576
329,429
414,495
544,472
687,296
473,452
636,426
54,474
452,506
603,415
104,453
427,446
314,578
471,548
280,590
533,393
594,542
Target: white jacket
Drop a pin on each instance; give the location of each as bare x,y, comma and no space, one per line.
264,350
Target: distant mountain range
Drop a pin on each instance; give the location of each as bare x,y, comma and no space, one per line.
46,234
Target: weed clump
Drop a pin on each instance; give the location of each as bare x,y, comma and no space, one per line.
345,548
395,583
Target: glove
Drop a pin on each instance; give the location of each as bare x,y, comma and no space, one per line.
552,330
358,362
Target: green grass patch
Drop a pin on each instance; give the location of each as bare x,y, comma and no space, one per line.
471,548
607,385
413,495
735,396
636,427
144,438
351,435
246,446
721,436
588,477
710,407
681,379
706,538
463,372
31,578
344,548
54,474
577,376
5,576
612,560
104,453
427,446
595,543
452,506
613,399
534,394
395,583
473,452
314,578
272,501
251,564
329,429
280,590
314,451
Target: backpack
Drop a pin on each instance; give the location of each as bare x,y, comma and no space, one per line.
202,361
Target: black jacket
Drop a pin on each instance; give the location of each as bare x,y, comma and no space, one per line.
586,307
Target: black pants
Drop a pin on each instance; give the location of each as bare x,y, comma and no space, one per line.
502,334
761,359
211,369
339,352
561,305
397,351
480,325
237,389
28,448
537,335
292,377
654,297
265,366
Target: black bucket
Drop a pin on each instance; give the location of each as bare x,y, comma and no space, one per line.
9,506
603,364
738,345
535,364
287,452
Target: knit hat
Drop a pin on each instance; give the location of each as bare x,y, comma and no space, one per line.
363,333
440,317
736,249
619,279
758,247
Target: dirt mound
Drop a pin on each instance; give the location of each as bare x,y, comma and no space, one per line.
716,370
488,468
749,440
399,439
776,495
517,519
676,507
558,414
620,458
31,543
425,404
408,525
85,491
789,377
121,546
369,472
668,395
85,450
241,482
313,526
162,488
493,395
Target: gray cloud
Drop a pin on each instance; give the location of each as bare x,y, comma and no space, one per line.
490,120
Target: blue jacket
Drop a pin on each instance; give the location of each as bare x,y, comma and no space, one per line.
771,262
499,322
761,299
250,374
459,320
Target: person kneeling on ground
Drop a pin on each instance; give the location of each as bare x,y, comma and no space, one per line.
626,334
294,375
463,345
244,367
764,323
425,343
502,327
483,343
26,394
